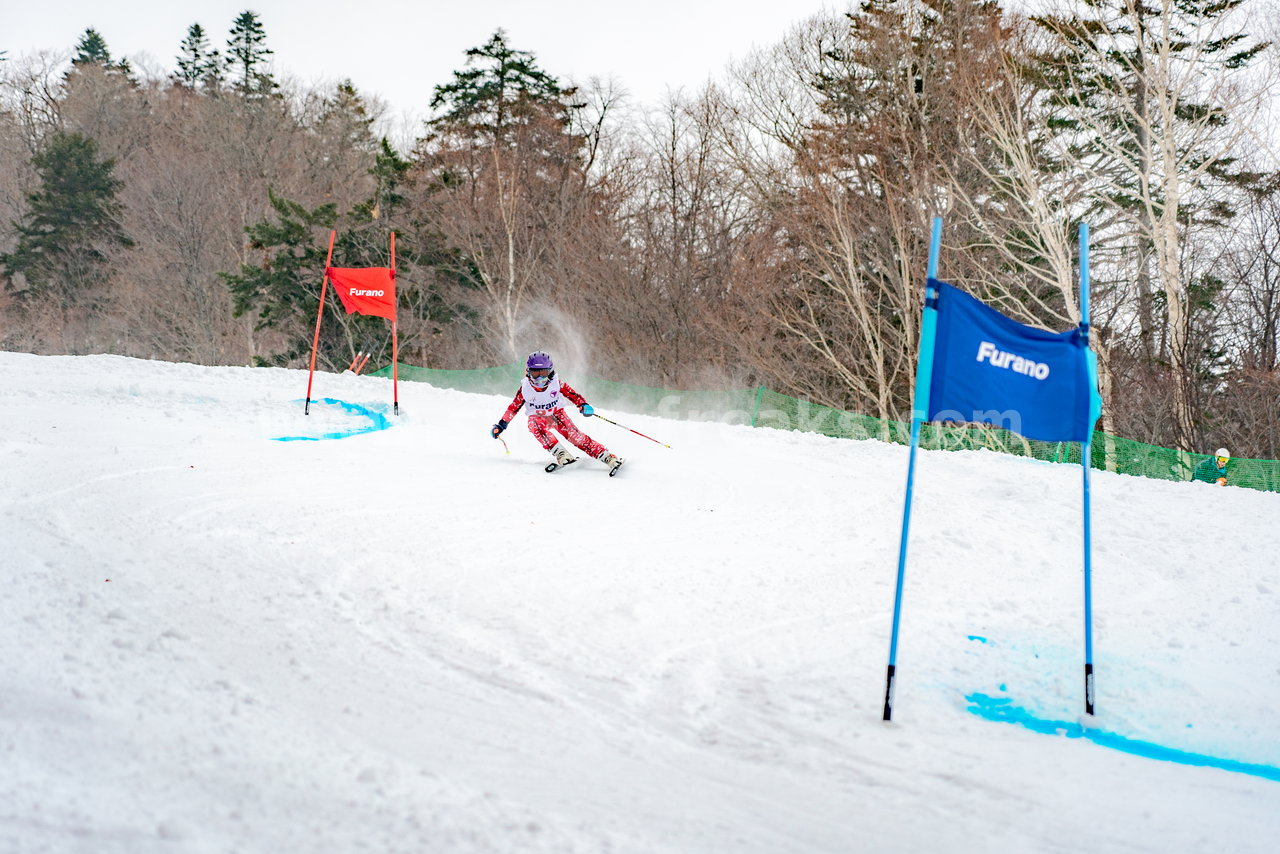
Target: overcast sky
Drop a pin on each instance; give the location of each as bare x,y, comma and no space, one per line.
401,49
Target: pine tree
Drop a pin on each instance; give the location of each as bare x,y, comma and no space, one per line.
198,63
247,54
92,50
390,171
346,116
283,290
500,87
71,218
507,176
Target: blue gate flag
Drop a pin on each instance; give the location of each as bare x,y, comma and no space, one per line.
991,369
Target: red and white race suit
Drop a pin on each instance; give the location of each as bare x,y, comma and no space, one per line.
545,409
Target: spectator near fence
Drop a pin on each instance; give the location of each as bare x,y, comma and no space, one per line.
1214,469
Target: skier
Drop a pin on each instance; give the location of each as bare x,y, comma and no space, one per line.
1214,469
540,393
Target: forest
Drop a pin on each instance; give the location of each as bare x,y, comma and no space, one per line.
770,228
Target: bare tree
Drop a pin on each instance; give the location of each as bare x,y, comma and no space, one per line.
1245,406
1153,105
684,218
848,131
1027,219
502,178
30,88
809,183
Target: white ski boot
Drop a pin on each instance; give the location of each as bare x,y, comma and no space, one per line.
562,458
612,460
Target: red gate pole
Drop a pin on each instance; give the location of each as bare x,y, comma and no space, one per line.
315,340
395,347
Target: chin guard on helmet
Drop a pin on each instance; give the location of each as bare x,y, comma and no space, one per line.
539,369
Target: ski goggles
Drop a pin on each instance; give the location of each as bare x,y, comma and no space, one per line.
540,378
1222,461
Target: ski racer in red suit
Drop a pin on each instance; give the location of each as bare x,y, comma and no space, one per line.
541,393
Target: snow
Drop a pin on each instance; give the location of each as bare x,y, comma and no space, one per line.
407,640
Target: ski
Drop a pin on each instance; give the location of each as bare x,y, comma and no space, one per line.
614,470
553,466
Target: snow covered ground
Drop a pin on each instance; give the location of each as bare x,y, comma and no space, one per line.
406,640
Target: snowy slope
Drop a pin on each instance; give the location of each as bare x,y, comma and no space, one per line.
407,640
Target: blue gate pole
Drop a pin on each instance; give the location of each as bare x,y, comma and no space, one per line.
1086,463
919,412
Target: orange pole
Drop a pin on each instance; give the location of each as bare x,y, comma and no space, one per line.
315,340
395,347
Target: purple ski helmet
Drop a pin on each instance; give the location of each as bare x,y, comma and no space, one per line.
539,369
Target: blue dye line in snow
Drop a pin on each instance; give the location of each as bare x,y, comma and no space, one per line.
1002,709
377,421
978,638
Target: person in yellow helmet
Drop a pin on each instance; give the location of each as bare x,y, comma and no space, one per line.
1214,469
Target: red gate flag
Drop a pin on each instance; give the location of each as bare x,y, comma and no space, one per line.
365,290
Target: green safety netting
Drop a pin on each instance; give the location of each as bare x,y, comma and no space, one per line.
760,407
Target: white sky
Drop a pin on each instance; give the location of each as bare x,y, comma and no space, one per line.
401,49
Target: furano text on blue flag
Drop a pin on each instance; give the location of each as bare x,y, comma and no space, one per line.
1011,361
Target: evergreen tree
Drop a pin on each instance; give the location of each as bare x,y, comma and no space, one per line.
283,289
507,181
390,171
71,218
500,87
92,50
198,63
247,54
345,116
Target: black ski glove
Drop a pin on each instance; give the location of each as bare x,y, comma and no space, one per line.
498,428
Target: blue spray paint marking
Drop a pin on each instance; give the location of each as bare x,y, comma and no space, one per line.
1001,709
377,421
978,638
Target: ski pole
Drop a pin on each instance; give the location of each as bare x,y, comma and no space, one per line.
355,361
637,432
504,445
